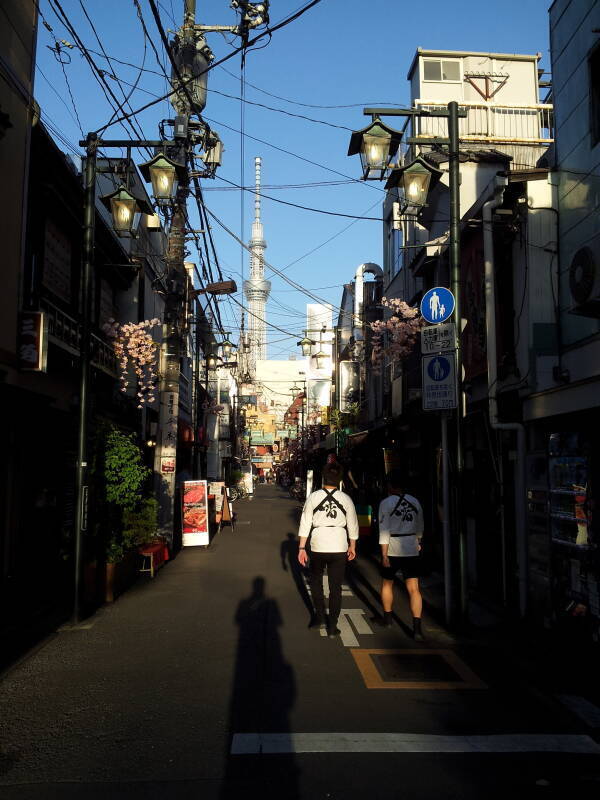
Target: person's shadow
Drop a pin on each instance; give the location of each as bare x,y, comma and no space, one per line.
263,694
289,560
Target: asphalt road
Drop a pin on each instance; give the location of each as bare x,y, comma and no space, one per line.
206,683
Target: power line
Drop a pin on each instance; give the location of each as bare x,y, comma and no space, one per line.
301,207
96,71
296,155
270,324
313,105
210,67
282,111
270,266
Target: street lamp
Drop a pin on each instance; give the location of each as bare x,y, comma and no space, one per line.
227,347
415,179
415,185
211,361
125,209
376,144
164,173
306,344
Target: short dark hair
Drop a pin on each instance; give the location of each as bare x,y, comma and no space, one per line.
332,474
395,479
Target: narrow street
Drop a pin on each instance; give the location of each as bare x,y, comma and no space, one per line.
206,683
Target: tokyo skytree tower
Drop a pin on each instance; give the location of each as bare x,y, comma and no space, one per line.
256,288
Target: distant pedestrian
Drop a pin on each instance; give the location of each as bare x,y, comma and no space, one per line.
400,532
329,520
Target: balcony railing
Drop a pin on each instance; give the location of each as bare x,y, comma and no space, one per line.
489,122
65,331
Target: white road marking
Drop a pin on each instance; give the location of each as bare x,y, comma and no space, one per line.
585,710
276,743
347,634
357,617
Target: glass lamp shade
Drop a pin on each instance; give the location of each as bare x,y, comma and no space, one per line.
374,153
164,173
212,361
125,210
227,348
415,180
306,345
416,186
376,144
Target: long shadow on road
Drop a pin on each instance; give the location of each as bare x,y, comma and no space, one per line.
263,694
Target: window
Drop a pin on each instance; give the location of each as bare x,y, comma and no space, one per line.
441,70
594,73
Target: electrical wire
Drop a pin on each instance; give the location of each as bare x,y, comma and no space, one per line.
271,267
301,207
96,71
296,155
258,37
266,322
313,105
281,111
137,80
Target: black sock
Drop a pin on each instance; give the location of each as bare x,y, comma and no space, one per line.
417,624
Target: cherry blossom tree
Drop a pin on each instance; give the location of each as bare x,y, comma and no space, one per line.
394,338
136,349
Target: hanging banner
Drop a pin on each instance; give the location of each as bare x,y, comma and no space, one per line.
194,513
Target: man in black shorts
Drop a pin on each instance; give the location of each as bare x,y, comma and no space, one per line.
400,532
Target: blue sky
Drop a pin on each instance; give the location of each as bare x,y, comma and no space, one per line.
339,56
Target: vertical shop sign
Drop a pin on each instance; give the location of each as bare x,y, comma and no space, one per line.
194,513
33,341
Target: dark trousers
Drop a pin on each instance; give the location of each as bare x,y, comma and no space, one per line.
336,568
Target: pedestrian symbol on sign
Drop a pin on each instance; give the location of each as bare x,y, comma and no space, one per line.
439,368
437,305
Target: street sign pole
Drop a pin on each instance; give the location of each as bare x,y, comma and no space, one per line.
454,185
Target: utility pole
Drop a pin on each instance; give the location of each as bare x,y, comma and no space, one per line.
82,488
165,463
191,57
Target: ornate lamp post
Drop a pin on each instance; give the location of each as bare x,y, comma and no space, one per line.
376,157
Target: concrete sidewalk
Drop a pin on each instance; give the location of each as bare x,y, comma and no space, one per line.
206,682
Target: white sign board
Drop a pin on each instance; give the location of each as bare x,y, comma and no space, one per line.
437,338
439,382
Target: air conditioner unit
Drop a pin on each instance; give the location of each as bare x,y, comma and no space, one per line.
584,283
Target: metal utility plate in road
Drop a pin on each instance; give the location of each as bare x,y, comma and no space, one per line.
414,669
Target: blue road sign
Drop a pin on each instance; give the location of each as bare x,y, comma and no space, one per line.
438,368
437,305
439,382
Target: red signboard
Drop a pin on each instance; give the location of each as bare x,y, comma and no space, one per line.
194,515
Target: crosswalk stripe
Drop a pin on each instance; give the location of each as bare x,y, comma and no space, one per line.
278,743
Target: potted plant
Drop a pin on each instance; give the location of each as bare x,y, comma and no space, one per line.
127,517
